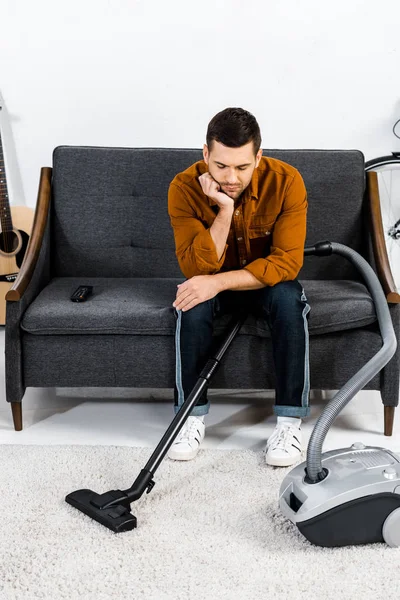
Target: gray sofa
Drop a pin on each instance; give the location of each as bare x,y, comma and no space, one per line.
101,219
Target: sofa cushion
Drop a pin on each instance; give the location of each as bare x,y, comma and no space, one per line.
143,306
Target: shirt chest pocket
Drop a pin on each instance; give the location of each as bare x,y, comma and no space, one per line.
260,234
261,230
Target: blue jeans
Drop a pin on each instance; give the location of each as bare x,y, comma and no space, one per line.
285,308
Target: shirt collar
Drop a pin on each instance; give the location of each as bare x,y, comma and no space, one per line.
249,193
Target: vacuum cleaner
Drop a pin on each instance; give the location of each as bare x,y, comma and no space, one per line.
347,496
351,495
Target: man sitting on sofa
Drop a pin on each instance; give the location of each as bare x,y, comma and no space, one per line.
239,222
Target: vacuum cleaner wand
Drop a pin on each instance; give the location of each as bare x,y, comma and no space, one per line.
112,509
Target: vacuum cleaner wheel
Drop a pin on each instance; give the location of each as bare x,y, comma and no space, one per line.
391,529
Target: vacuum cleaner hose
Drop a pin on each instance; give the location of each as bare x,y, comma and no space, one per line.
315,472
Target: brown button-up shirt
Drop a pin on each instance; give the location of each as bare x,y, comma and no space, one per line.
268,227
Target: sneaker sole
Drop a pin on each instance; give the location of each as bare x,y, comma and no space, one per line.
281,462
182,456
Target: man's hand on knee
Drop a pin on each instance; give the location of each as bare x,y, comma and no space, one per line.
199,288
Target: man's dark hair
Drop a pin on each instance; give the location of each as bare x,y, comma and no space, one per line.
234,127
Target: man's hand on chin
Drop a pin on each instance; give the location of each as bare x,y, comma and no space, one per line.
195,290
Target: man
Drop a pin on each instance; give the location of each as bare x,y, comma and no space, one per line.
239,222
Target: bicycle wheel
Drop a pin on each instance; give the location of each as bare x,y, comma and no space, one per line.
388,174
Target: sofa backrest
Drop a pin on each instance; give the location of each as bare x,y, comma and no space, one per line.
109,214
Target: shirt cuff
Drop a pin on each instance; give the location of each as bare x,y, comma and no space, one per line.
206,253
266,272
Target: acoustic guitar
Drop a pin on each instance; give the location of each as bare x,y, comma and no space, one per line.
16,226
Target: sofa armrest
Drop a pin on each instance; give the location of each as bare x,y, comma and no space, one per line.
32,277
25,274
378,240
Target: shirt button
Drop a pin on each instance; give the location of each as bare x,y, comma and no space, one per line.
239,239
237,212
244,262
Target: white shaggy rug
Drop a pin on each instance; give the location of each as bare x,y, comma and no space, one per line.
210,529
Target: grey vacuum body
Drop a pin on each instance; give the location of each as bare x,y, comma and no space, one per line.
358,501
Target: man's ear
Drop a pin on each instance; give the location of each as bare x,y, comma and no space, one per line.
258,157
205,153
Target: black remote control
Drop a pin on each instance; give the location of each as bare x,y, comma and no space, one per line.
82,293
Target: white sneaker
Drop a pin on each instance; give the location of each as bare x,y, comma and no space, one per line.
187,443
284,445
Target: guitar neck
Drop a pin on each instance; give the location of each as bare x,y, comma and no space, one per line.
5,213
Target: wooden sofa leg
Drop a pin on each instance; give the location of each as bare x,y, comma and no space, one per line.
389,419
16,408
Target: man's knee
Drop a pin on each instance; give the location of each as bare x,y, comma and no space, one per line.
284,298
286,291
199,313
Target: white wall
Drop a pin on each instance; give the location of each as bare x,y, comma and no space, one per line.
142,73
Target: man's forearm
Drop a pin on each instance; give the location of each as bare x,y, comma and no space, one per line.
238,280
220,228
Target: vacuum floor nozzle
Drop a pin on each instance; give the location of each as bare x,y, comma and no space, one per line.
117,517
